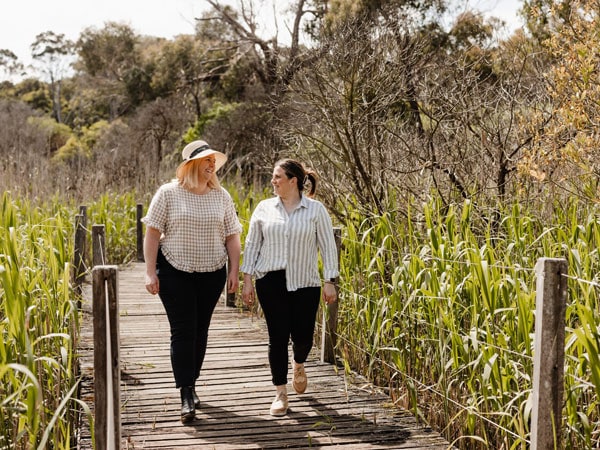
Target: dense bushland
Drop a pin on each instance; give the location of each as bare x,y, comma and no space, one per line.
452,155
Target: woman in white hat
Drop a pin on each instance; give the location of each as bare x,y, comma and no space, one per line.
192,232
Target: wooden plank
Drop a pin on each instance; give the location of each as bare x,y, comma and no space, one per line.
235,390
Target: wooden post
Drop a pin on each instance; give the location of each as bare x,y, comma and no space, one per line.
79,255
84,225
140,232
549,353
107,401
330,315
98,245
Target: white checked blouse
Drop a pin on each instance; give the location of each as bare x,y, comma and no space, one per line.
276,241
193,227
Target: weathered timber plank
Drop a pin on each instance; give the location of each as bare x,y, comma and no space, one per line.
338,410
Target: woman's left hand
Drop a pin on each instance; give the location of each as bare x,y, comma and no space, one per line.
329,293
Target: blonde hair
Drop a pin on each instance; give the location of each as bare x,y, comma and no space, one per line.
188,174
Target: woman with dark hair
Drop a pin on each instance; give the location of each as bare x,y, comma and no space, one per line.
286,234
192,232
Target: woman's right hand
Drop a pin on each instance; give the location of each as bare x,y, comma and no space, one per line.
151,243
152,285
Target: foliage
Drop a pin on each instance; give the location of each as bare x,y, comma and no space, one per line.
420,113
545,17
420,12
38,99
72,149
81,146
440,306
217,112
566,149
58,133
38,324
39,317
109,59
405,111
107,53
118,214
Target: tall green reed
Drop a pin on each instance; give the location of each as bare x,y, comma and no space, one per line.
444,300
38,323
438,305
118,214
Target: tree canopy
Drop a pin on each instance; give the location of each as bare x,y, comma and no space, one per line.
381,96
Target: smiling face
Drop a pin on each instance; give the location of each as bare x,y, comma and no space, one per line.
205,168
283,186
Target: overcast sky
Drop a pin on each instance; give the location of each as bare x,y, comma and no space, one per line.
22,20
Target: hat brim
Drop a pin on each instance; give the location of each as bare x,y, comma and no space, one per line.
220,158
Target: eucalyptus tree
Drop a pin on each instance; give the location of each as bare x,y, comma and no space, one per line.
107,60
262,68
273,65
198,68
386,13
52,51
9,62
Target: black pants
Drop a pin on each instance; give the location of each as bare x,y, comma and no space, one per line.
189,300
288,315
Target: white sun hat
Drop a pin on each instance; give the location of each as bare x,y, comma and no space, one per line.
201,149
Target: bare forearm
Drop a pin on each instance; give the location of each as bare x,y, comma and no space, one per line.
151,241
234,250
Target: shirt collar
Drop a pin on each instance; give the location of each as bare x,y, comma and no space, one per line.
303,202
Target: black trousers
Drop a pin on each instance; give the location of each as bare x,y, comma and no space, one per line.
189,300
289,314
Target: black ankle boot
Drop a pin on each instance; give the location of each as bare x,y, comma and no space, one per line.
196,399
187,404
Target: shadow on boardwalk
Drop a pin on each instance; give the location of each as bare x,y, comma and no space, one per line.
235,390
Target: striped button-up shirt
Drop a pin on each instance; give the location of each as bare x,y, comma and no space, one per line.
278,241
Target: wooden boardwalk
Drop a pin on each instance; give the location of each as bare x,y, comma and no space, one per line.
235,389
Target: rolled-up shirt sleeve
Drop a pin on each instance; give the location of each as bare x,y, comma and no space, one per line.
252,244
326,244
